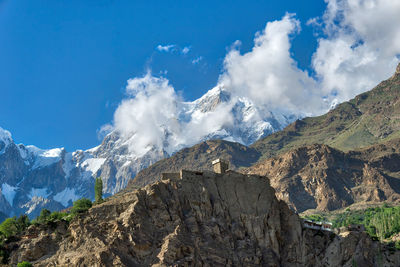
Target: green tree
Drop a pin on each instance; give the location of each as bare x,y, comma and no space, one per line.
57,216
9,227
81,205
23,222
44,216
98,190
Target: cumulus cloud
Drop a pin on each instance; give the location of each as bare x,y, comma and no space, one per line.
359,47
268,75
148,112
152,117
165,48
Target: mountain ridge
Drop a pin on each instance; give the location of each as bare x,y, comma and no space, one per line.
32,179
339,135
367,119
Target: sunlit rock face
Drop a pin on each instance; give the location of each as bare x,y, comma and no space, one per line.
197,219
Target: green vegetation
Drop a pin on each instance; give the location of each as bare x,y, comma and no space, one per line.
9,228
98,190
46,217
81,206
380,222
24,264
13,226
315,218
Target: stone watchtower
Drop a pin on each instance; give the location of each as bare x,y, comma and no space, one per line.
220,165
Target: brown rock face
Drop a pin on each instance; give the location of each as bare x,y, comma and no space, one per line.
203,219
320,177
208,219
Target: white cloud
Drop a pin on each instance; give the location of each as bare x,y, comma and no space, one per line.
104,130
359,48
186,50
150,110
268,75
197,60
165,48
150,117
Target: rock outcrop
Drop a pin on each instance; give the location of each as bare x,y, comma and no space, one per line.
311,177
203,219
323,178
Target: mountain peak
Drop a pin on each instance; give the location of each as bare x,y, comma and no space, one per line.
397,70
5,139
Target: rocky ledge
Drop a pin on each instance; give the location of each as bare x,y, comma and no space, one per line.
200,219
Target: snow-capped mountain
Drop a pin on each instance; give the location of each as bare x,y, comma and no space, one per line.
32,179
250,122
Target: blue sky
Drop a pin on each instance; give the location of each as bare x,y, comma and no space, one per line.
64,65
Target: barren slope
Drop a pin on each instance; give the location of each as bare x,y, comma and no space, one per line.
204,219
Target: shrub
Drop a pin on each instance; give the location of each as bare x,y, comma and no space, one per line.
44,216
58,216
81,205
24,264
9,227
23,223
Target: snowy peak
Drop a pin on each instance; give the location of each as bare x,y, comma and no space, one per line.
212,99
43,157
5,139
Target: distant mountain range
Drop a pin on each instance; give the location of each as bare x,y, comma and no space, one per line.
32,179
349,156
346,158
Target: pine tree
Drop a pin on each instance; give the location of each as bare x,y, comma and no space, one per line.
98,190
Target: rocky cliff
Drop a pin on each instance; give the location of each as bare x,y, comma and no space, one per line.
323,178
203,219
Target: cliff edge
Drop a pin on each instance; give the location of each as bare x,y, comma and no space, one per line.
199,219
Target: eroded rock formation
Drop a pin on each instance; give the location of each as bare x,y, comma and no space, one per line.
203,219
